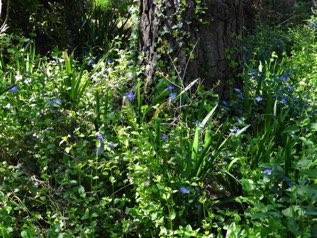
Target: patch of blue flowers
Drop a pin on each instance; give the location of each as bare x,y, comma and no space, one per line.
184,190
14,88
130,95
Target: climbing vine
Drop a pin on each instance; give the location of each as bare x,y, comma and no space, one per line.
171,46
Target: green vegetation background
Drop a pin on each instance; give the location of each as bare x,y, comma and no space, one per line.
84,152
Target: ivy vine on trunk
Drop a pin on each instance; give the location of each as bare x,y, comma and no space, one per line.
193,38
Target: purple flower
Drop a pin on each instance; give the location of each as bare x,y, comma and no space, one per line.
267,171
172,96
55,102
14,88
99,150
258,98
234,130
284,100
130,95
224,102
290,88
164,137
109,61
184,190
313,25
237,90
285,76
99,136
170,87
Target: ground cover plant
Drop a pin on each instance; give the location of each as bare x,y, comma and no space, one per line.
86,152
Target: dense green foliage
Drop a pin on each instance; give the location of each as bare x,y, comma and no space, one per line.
85,153
82,26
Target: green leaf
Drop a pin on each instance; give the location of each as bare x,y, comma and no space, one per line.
259,216
275,108
67,149
313,127
311,211
260,67
81,191
24,234
232,163
188,87
293,211
248,185
242,130
207,138
195,146
112,179
208,116
172,215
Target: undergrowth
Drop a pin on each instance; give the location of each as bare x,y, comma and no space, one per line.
84,153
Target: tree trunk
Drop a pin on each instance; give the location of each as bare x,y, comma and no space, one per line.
278,5
222,20
225,21
285,4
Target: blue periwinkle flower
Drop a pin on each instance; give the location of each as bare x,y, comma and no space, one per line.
290,88
99,136
224,102
184,190
99,150
285,76
14,88
258,98
313,25
170,87
267,171
56,102
237,90
172,96
284,100
164,137
130,95
234,130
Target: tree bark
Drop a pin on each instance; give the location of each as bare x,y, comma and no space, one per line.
225,21
222,20
148,35
278,5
